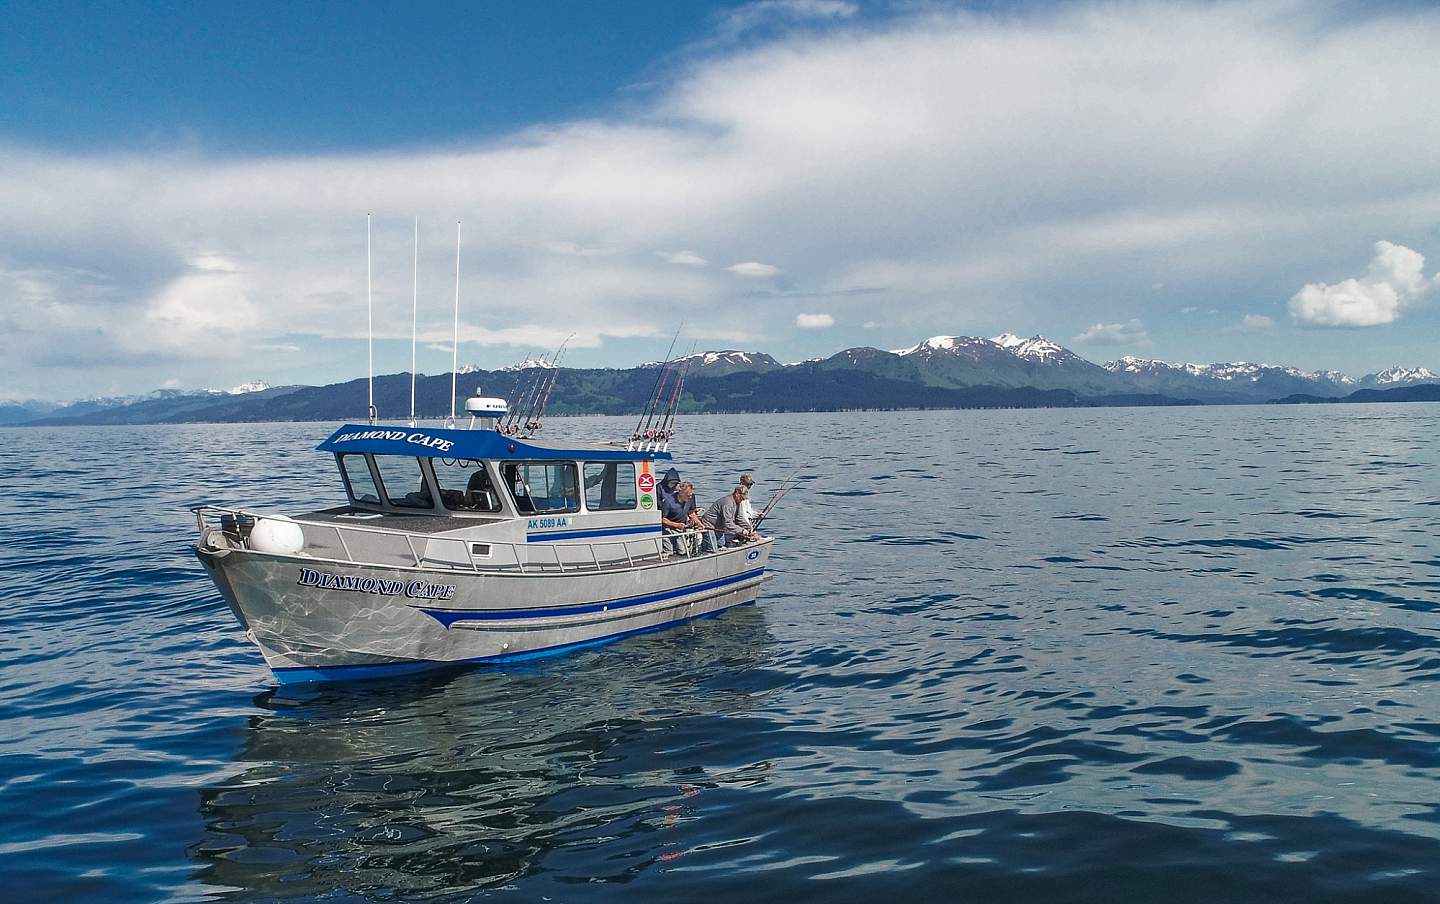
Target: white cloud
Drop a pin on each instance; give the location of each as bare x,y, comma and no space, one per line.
814,321
759,12
213,262
1251,323
683,258
574,248
1394,280
870,325
915,152
1131,332
283,347
753,268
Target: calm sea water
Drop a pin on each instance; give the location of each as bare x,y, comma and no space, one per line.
1152,654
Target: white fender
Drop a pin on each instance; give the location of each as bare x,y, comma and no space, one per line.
275,535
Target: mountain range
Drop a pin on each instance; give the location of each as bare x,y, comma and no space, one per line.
940,372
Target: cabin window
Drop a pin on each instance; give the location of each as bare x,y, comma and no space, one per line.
465,486
543,486
404,482
357,476
609,486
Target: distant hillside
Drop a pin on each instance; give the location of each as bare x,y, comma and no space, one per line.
1425,392
939,372
165,407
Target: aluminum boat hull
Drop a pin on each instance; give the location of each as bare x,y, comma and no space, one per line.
325,620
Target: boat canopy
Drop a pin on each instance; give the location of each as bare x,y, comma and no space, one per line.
441,442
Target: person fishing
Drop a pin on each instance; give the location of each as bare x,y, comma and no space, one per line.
724,523
747,510
678,516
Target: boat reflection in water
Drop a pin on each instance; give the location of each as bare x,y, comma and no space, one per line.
466,781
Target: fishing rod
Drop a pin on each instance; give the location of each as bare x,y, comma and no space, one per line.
552,376
535,403
645,429
666,423
514,396
656,419
525,381
532,392
786,485
647,414
517,392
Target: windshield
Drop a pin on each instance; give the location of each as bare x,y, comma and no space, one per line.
465,485
403,481
357,475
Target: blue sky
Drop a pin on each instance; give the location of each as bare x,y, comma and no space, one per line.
183,186
272,77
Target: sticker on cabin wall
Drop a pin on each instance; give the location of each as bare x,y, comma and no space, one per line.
646,482
647,501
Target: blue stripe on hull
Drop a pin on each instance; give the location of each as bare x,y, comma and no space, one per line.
448,617
591,533
398,669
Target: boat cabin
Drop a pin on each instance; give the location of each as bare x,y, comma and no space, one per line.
434,480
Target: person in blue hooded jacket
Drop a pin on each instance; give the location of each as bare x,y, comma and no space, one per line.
669,484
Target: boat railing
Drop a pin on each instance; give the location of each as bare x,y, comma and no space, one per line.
364,545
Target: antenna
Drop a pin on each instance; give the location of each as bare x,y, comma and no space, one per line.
369,324
455,342
414,310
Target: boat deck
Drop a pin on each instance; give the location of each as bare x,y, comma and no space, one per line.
418,541
410,524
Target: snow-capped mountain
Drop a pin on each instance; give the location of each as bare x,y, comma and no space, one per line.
1233,372
726,361
1036,348
944,344
1244,371
1229,381
1242,379
1004,360
245,388
1399,376
527,364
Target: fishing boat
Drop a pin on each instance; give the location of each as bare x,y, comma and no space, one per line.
478,544
466,545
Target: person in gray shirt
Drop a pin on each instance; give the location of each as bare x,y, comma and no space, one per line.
724,522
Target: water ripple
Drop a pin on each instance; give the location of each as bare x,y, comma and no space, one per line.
1148,654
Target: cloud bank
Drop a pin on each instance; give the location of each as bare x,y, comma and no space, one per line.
972,172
